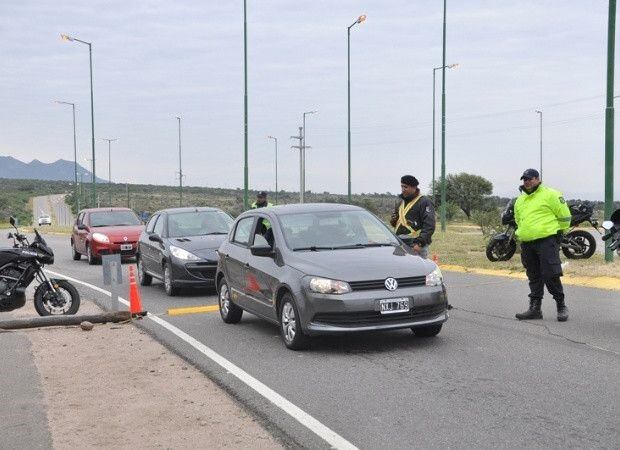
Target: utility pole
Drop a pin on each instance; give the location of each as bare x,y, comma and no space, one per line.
180,168
442,213
541,164
109,168
276,142
609,120
303,151
300,138
127,191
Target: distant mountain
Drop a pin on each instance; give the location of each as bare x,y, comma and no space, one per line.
60,170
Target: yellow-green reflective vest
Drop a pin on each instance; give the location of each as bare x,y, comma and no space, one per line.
541,214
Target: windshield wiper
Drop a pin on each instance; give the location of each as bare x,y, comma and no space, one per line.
313,248
378,244
215,232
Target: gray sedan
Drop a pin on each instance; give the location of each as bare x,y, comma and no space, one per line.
326,269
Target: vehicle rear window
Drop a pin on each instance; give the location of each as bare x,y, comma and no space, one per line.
113,218
199,223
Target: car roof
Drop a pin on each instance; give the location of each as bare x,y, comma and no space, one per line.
186,210
298,208
105,209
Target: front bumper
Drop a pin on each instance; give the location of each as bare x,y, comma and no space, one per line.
195,273
99,249
358,311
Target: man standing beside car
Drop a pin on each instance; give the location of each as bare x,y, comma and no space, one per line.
414,215
261,201
542,216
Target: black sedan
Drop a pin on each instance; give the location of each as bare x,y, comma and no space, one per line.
179,246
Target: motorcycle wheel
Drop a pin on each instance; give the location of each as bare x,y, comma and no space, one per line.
501,250
583,240
48,303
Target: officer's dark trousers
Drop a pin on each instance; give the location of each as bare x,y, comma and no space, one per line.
541,259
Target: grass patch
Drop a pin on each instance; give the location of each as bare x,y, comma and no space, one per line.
459,246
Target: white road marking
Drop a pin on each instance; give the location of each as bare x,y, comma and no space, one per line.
325,433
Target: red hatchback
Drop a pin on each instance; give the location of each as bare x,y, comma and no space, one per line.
104,231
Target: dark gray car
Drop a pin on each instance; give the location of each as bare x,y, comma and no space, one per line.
326,268
179,246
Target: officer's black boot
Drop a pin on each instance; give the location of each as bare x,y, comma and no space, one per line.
533,312
562,311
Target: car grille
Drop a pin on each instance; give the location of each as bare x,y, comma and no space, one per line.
380,284
125,242
206,271
362,318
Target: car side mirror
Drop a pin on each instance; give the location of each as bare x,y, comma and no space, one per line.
82,227
262,250
407,239
155,238
12,221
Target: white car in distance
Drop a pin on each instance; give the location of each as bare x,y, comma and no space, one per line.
44,219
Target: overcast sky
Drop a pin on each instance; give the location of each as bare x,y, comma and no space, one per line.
154,60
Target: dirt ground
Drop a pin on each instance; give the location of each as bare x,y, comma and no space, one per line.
116,387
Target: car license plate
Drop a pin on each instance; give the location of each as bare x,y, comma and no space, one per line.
126,246
394,305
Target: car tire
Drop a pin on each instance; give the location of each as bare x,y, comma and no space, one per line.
427,331
290,329
144,278
169,287
90,257
229,312
74,253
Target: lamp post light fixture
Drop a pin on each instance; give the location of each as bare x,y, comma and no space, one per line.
360,19
245,107
276,142
109,141
541,158
449,66
68,38
75,190
303,154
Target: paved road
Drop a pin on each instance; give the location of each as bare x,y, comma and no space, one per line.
486,381
55,207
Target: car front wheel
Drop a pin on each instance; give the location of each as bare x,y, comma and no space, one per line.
230,312
76,255
89,255
427,331
169,286
290,327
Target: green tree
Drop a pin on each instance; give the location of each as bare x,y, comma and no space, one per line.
470,192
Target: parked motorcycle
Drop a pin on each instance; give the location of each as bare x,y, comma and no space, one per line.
613,227
576,244
20,265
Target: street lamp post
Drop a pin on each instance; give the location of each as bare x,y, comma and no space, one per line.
450,66
180,167
609,119
540,134
75,190
65,37
276,142
303,156
245,107
360,19
109,141
443,125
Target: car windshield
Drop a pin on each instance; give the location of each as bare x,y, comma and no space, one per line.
199,223
113,219
332,230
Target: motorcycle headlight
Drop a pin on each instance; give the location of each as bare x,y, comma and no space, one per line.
183,254
435,278
101,238
327,286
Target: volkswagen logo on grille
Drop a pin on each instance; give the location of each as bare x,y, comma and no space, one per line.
391,284
125,238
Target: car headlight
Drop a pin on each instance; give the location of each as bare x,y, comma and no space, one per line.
183,254
327,286
435,278
101,238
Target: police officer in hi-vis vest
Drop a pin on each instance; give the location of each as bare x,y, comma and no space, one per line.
414,215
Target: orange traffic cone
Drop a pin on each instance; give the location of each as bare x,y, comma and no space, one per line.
135,302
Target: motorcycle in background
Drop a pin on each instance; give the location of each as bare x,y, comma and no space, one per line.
576,243
20,265
613,227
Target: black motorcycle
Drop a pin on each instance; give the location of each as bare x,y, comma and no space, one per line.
22,264
576,244
613,227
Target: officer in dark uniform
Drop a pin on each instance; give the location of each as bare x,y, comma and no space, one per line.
542,216
414,215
